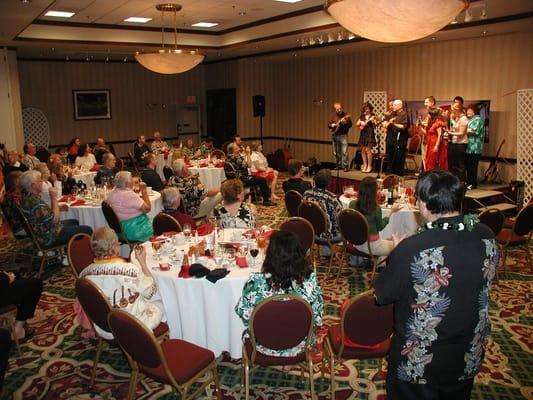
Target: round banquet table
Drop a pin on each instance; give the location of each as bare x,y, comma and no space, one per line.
85,177
92,215
211,177
196,309
406,221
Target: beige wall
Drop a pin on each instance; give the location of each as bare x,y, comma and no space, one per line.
492,67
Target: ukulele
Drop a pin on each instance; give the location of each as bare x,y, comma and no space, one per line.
491,174
334,127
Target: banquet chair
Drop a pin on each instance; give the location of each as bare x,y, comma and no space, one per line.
7,315
305,232
509,222
218,154
292,202
390,180
165,223
354,231
313,213
167,172
493,218
518,235
230,171
133,162
278,322
364,332
42,154
173,362
79,252
19,237
224,147
112,150
412,150
97,308
114,223
119,164
38,247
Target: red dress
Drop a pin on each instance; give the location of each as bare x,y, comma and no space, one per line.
439,158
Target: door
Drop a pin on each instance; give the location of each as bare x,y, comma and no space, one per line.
221,115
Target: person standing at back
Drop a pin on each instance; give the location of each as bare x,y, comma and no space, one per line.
439,281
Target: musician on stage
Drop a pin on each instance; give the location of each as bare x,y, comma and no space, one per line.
396,139
422,125
458,138
339,126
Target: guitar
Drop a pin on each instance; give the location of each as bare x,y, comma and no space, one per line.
491,174
334,127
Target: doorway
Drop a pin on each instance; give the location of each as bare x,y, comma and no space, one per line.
221,110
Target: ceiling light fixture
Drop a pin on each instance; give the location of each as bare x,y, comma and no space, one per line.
138,20
59,14
468,15
205,24
165,60
401,22
288,1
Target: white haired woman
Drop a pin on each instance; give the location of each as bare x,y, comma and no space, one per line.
131,208
126,285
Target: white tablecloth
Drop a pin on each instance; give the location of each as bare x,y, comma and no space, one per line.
85,177
210,177
93,216
199,311
404,222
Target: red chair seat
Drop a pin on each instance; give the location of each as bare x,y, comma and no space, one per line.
504,235
509,222
160,329
265,360
184,360
334,333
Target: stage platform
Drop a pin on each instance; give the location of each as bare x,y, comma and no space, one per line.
356,176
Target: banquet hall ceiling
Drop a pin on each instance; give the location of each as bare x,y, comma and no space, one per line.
97,30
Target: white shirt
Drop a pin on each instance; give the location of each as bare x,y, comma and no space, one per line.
259,159
85,162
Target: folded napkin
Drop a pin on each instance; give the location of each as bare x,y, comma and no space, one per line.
204,229
184,271
264,234
220,164
203,165
95,168
66,198
79,202
216,274
198,270
241,262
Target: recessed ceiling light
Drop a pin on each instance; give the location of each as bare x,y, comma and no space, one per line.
59,14
205,24
139,20
288,1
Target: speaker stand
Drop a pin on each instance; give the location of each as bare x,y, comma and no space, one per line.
261,129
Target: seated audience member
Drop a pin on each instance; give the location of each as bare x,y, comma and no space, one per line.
197,200
439,281
64,175
72,149
158,145
29,156
366,204
131,208
285,270
14,163
176,155
24,293
171,204
261,169
295,182
85,160
206,147
12,201
5,346
99,150
47,182
117,277
234,212
241,165
189,151
60,154
140,150
44,219
238,142
327,201
149,174
108,170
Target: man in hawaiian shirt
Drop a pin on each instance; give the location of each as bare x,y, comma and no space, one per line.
439,281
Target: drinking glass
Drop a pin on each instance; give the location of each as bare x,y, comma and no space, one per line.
254,252
187,232
219,256
230,255
244,249
156,246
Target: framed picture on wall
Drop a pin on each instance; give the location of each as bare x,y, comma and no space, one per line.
92,104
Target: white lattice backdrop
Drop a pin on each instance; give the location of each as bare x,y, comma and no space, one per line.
36,128
379,102
524,141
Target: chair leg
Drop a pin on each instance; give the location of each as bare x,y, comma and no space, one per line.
374,265
332,375
16,340
133,381
246,380
44,259
96,360
504,258
331,255
342,261
311,380
216,380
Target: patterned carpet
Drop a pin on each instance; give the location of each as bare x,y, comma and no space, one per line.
56,364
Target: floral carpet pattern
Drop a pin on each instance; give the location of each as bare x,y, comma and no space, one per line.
57,362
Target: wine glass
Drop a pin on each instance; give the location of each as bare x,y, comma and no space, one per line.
156,246
243,249
219,255
230,255
187,232
254,252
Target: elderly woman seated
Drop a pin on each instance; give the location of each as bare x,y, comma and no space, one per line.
131,208
234,212
126,285
198,200
45,220
285,270
85,159
171,204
